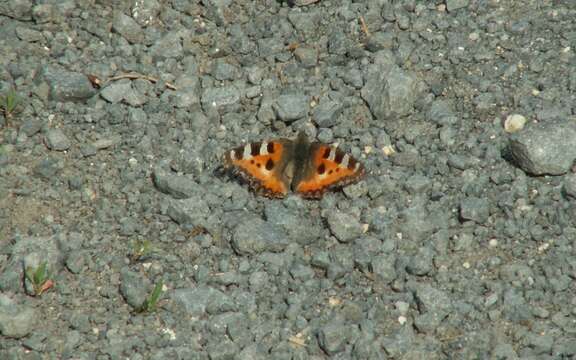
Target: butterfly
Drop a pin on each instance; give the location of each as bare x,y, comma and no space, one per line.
275,167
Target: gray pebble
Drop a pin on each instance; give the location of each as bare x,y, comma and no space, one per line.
301,272
301,230
116,91
48,168
57,140
28,35
65,85
197,301
255,235
170,46
19,9
127,27
421,263
31,126
190,211
216,98
453,5
221,70
16,320
441,112
332,338
384,267
76,261
134,287
569,186
326,113
390,93
547,148
475,209
433,304
344,226
291,107
307,56
179,187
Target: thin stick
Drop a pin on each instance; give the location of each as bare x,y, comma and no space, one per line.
140,76
364,26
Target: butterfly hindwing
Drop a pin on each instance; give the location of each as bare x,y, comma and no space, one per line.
329,168
258,163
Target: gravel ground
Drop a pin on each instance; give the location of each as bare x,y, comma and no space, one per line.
459,243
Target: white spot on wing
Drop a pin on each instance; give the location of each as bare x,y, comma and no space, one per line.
357,166
247,154
332,155
345,160
264,148
232,155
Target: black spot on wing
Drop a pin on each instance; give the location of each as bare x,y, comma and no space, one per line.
351,163
269,164
339,157
255,148
321,169
270,148
326,154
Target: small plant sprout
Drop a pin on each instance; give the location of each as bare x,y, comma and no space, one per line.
149,305
140,249
39,278
8,104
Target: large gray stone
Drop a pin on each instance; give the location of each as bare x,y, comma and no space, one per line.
545,149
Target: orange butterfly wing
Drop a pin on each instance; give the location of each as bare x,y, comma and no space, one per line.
329,168
257,163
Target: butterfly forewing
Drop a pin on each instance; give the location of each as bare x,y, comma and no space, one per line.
330,168
257,163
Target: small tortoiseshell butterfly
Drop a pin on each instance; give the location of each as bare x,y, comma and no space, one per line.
309,169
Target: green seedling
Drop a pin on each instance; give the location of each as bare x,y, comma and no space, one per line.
39,278
140,249
8,104
149,305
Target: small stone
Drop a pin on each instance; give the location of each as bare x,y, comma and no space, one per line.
16,321
299,229
326,114
569,186
514,123
31,126
452,5
291,107
545,149
57,140
475,209
308,57
201,299
47,168
221,70
384,267
106,143
179,187
255,235
65,85
127,27
116,91
344,226
29,35
170,46
134,287
332,338
389,92
146,12
220,97
17,9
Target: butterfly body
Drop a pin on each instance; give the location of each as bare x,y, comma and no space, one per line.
275,167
